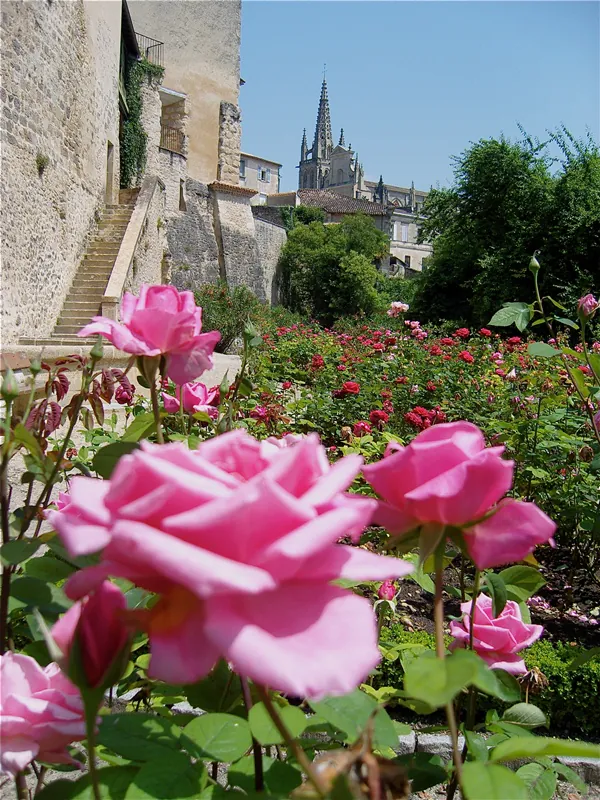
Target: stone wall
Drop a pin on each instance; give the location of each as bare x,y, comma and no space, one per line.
59,95
192,243
149,265
236,237
270,239
151,120
172,169
202,60
230,137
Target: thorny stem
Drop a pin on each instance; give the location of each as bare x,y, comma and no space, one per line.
21,786
438,616
291,743
259,781
156,412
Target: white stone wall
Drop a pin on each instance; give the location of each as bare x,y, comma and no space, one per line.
172,169
150,119
59,95
148,264
270,239
236,239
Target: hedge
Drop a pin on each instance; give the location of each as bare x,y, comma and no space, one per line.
570,701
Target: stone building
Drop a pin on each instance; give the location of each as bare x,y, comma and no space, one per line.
73,239
259,174
337,170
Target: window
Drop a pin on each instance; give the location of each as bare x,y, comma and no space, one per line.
407,262
395,232
262,199
242,167
264,175
340,176
404,228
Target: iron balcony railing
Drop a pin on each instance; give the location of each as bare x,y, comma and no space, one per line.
150,49
172,139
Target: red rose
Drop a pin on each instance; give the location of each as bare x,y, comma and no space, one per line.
464,333
485,332
351,387
466,356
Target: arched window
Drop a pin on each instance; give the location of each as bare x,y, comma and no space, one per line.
340,176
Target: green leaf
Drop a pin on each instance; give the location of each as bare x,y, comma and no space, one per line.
168,778
437,681
24,436
540,781
477,746
114,783
139,737
584,657
542,350
521,582
519,313
219,691
497,589
570,775
568,322
221,737
281,778
19,550
107,457
263,728
141,427
534,746
491,782
424,770
525,714
48,569
26,592
350,714
496,682
579,381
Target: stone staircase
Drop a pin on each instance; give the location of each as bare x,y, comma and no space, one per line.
84,298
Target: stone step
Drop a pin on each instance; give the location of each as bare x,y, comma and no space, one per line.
72,313
69,330
90,269
102,247
99,260
90,295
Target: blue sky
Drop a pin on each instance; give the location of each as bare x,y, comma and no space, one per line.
412,83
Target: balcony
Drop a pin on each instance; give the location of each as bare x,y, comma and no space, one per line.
150,49
172,139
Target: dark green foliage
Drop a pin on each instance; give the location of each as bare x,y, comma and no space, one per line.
396,289
505,204
133,138
226,310
304,215
327,270
567,701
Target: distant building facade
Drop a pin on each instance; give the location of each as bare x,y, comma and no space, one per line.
259,174
338,170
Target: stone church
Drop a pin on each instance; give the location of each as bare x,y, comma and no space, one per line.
338,169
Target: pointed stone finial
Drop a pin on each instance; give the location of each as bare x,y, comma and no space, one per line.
341,142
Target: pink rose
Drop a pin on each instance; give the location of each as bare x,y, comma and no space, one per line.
196,398
161,322
497,640
41,712
97,624
397,308
446,476
241,549
124,395
587,306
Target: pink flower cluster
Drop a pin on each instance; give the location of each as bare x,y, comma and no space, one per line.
446,478
161,322
240,543
41,712
196,398
498,640
396,308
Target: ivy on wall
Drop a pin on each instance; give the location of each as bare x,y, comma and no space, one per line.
134,138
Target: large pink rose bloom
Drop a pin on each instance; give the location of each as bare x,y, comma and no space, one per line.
497,640
161,321
41,712
241,545
447,476
196,397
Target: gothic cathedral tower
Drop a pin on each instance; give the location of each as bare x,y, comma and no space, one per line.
315,163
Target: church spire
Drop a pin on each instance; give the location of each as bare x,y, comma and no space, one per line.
304,147
341,142
323,142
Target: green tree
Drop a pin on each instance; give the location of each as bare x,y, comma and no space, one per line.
505,204
304,215
320,274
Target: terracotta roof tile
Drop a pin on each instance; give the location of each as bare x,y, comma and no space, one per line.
335,203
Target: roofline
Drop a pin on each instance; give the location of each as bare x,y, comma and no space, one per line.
260,158
128,30
398,188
